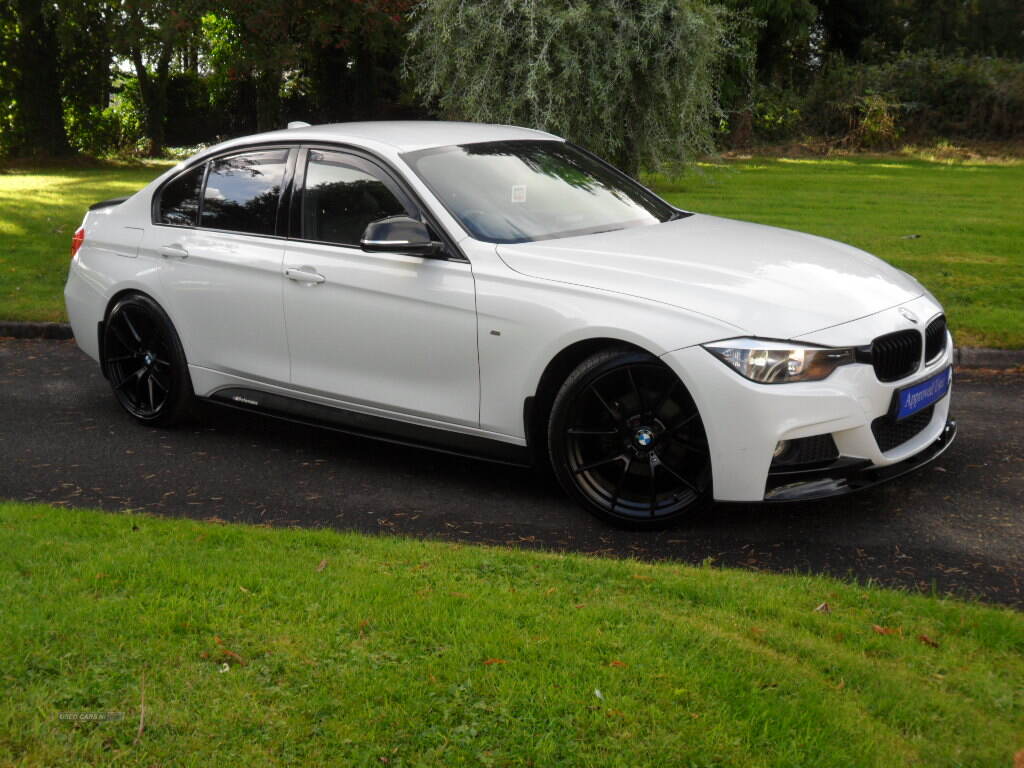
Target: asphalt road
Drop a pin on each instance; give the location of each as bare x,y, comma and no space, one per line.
956,526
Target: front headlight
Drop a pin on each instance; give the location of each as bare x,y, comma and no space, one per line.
779,362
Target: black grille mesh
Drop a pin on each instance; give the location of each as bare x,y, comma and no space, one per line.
896,355
935,338
890,434
807,450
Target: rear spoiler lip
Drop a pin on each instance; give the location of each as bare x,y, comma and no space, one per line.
108,203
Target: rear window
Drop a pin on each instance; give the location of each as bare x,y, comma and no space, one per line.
242,192
179,200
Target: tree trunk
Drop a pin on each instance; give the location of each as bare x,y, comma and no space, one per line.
39,114
268,99
153,88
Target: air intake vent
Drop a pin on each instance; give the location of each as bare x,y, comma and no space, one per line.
896,355
935,338
891,434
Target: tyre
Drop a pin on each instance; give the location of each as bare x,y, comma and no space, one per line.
627,442
144,362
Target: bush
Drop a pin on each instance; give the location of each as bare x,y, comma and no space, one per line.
919,95
777,113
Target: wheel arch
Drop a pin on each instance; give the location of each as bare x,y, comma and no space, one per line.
111,303
537,406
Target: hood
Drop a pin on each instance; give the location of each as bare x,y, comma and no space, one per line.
769,282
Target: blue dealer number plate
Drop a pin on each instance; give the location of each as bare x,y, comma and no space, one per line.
921,395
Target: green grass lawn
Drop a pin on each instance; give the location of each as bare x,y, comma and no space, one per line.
291,647
39,211
969,217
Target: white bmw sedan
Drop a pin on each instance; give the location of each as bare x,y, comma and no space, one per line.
500,292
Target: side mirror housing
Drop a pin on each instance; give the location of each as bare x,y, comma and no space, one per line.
399,234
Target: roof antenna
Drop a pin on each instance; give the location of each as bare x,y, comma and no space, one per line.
299,124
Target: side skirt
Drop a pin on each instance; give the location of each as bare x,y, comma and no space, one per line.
375,427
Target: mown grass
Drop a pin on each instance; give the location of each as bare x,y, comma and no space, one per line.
956,226
39,211
266,647
969,216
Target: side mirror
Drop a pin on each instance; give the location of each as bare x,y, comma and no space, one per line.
399,234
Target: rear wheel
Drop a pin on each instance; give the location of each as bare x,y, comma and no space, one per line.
627,442
144,362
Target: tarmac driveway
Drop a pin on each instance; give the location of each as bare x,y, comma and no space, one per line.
955,526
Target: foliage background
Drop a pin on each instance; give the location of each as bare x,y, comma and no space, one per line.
645,82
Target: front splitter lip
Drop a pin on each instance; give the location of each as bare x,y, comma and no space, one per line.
851,477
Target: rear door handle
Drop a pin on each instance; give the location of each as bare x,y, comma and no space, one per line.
173,251
304,275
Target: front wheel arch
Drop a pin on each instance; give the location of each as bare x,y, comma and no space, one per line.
626,439
537,407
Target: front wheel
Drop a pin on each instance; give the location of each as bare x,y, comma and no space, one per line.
627,442
145,363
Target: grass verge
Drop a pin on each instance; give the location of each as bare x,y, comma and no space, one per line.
260,647
955,224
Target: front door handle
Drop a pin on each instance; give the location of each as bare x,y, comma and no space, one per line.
173,251
304,275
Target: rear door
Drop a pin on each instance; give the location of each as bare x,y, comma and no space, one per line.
222,260
383,330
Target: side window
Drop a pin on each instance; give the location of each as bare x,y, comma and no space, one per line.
242,192
341,197
179,200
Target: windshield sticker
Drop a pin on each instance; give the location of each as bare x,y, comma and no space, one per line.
518,193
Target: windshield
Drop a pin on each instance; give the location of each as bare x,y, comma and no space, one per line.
520,191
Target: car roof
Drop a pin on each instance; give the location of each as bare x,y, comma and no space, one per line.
394,136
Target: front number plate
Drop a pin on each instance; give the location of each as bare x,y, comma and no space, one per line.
912,399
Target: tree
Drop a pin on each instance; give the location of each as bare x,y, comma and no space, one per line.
633,80
149,33
36,122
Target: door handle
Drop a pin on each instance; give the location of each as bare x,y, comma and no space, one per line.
304,275
173,251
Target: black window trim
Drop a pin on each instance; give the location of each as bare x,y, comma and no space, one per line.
205,162
284,229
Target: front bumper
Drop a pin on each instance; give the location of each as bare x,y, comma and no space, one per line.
850,475
744,421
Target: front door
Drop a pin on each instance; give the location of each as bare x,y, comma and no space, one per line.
385,331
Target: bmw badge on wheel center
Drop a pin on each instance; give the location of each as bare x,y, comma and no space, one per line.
500,292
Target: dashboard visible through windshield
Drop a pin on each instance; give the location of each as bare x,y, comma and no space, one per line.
522,191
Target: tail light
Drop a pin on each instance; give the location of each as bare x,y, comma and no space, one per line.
76,240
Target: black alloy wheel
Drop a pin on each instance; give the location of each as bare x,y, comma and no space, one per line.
144,361
626,440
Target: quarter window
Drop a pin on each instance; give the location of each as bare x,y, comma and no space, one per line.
179,200
242,192
341,196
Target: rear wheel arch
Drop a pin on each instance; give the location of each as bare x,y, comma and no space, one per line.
112,302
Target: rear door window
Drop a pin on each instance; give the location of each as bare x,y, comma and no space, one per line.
179,200
242,192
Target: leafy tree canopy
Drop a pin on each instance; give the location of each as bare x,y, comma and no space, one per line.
633,81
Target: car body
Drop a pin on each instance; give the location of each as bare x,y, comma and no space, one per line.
468,344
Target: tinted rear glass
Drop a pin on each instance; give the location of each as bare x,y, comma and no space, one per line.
242,192
179,200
